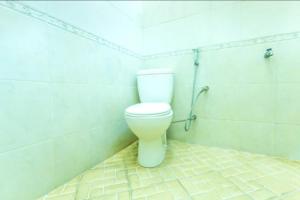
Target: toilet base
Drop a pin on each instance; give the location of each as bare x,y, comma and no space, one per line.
151,153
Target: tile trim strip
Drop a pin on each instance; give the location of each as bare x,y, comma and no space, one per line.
42,16
232,44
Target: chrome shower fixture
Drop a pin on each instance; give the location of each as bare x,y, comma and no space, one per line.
196,56
191,116
268,53
203,89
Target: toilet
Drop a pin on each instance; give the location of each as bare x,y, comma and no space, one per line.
150,119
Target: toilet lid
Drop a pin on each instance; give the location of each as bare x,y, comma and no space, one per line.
148,109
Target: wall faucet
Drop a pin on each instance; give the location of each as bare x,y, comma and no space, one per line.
268,53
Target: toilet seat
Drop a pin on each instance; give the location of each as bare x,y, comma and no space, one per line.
149,122
148,110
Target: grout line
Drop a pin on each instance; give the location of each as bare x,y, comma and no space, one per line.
169,21
184,188
39,142
79,183
4,81
130,190
177,19
135,22
249,121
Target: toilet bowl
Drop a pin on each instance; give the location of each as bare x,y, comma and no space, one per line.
149,122
150,119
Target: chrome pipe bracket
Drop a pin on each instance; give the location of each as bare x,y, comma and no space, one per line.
193,117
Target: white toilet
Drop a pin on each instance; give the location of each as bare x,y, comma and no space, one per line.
150,119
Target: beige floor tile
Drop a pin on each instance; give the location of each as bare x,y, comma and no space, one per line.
57,191
124,195
245,187
262,194
151,181
228,192
83,191
144,192
292,196
70,188
241,197
276,186
176,188
212,195
62,197
190,186
250,175
96,192
231,171
140,198
162,195
188,172
105,197
116,188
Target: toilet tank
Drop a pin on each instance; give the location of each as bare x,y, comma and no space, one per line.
155,85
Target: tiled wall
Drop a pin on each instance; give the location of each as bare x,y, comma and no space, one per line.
253,103
181,24
62,98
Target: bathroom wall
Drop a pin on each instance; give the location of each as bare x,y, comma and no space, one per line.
62,96
66,78
253,103
181,24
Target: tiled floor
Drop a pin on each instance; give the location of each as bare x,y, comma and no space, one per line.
188,172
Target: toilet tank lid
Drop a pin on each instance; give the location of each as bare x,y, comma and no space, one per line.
155,71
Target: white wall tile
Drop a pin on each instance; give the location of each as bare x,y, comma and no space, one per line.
168,11
256,137
71,155
287,141
25,113
267,18
18,35
287,104
185,33
225,21
68,103
287,61
67,61
27,173
254,102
